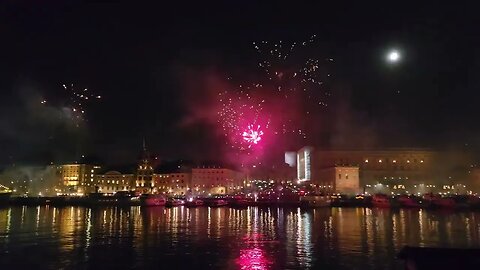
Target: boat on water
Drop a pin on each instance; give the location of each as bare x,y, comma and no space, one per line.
434,200
194,203
97,198
218,203
5,197
126,198
315,201
381,201
5,194
408,201
152,200
240,203
473,201
174,202
444,202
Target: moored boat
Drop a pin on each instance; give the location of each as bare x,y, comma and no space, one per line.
174,202
315,201
5,197
97,198
407,201
434,200
240,203
444,202
218,203
5,194
194,203
381,200
152,200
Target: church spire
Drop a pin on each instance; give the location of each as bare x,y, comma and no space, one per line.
144,181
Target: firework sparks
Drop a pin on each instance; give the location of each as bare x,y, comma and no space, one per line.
289,89
292,70
77,105
252,136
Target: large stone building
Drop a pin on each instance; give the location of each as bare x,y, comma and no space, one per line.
76,179
395,170
113,181
338,179
215,181
177,183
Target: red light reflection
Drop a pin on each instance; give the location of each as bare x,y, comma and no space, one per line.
253,257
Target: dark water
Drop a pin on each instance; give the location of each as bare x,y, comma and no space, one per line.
224,238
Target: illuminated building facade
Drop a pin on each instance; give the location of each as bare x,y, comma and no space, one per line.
304,165
385,171
113,181
215,181
77,179
338,179
172,183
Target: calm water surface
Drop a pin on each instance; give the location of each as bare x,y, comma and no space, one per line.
224,238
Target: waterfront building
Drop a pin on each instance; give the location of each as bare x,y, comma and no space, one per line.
113,181
388,171
216,181
338,179
177,183
76,179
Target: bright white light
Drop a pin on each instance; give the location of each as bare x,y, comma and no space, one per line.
393,56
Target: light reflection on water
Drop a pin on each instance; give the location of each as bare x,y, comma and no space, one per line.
224,238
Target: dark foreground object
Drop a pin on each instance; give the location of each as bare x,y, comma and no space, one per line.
417,258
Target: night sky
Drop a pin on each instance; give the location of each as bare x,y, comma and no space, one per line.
155,68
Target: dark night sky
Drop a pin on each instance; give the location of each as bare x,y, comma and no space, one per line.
150,65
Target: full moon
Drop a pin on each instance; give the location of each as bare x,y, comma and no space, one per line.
393,56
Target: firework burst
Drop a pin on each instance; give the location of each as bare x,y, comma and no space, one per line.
288,90
252,135
76,103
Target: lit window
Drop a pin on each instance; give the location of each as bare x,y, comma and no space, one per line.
394,161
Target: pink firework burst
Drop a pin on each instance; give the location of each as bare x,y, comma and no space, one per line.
252,136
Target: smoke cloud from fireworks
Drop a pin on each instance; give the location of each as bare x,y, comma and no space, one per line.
289,89
283,95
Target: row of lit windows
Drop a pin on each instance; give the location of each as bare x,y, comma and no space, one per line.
209,178
169,187
346,176
113,181
393,161
115,188
111,176
143,185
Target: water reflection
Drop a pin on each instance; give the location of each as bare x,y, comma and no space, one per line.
224,238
